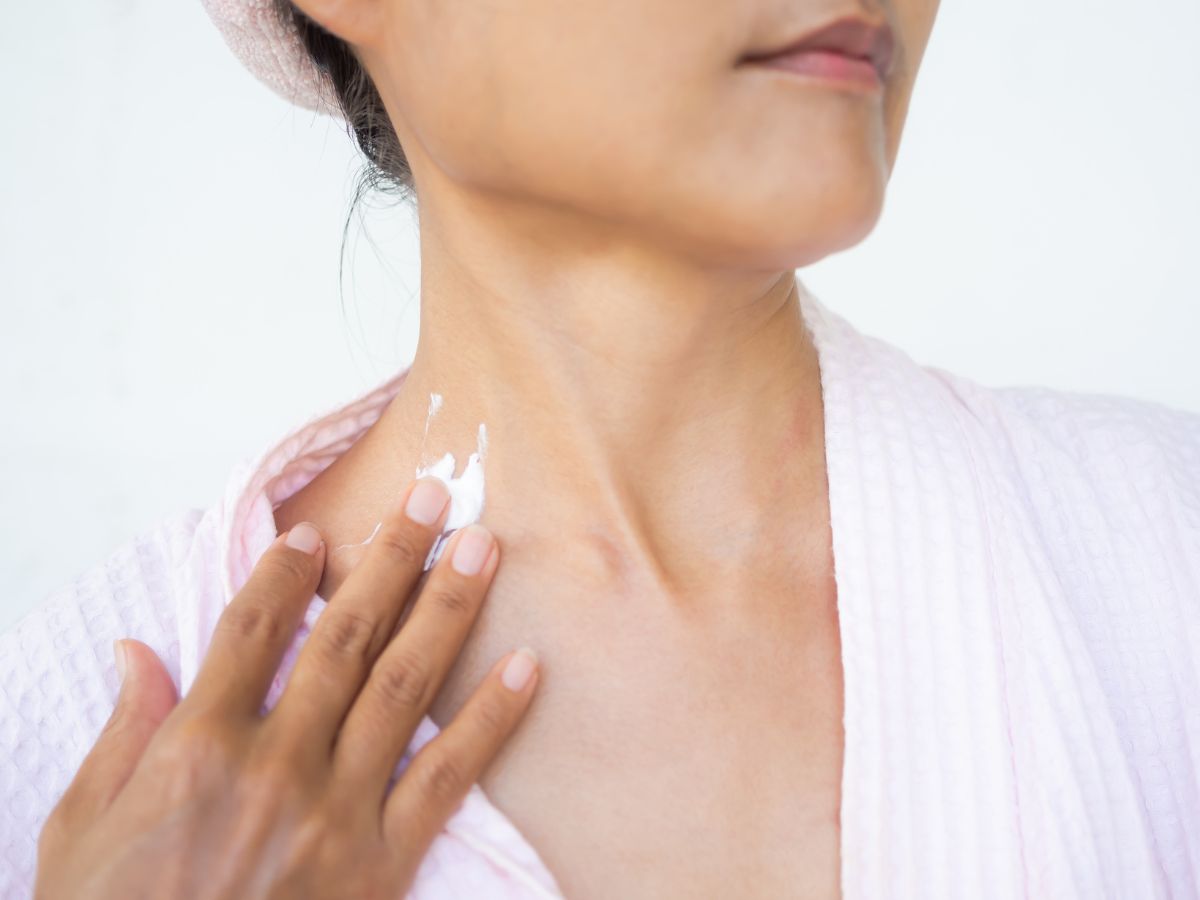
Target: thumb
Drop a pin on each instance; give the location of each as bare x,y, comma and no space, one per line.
147,696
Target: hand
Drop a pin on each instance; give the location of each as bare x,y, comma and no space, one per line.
209,798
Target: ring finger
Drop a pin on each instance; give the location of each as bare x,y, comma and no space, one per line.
361,617
410,671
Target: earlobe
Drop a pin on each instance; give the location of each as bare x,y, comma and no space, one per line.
357,22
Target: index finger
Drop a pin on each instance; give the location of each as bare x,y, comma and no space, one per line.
257,626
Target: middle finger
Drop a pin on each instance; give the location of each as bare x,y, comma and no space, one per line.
410,671
361,616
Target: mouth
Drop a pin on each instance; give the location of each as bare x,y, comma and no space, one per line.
849,49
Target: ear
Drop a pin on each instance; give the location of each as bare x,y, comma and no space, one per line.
359,23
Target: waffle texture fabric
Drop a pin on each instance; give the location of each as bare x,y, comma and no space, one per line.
1018,576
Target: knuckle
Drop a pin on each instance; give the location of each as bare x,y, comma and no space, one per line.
293,568
251,620
123,725
197,755
403,680
400,545
309,840
442,779
451,599
118,722
266,787
345,633
493,716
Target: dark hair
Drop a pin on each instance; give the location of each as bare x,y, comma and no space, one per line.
387,169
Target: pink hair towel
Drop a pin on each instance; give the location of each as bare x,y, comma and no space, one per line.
273,52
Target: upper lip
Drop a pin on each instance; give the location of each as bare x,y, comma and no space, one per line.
849,35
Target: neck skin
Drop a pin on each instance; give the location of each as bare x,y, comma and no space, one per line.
655,420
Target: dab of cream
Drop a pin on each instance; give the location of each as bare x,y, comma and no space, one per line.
466,490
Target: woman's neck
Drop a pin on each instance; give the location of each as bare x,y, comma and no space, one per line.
663,424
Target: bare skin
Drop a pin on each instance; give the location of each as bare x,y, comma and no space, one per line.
611,208
695,735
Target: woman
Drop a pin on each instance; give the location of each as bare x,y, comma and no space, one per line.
814,619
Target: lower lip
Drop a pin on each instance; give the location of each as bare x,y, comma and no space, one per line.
826,65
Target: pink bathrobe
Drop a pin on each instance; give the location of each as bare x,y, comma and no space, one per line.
1018,574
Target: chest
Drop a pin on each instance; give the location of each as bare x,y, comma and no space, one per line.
661,760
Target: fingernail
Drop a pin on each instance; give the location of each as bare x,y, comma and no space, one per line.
427,500
119,655
472,549
304,537
516,673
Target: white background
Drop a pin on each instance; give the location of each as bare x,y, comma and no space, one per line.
170,232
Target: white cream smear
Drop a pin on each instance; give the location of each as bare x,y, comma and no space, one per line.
466,490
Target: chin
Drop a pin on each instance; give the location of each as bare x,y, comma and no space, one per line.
790,224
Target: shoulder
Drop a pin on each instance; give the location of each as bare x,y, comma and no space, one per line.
1100,491
1131,453
129,593
1139,455
1110,427
58,680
